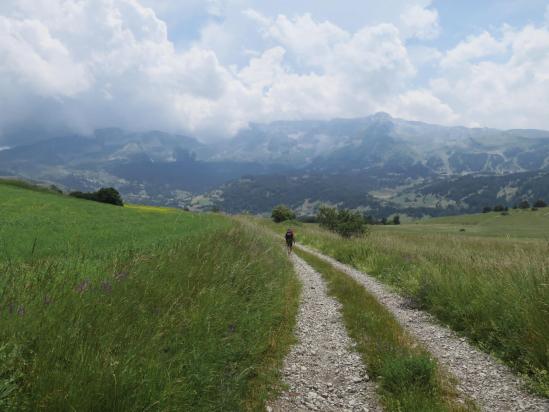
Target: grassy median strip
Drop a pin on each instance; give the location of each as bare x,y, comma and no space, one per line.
408,378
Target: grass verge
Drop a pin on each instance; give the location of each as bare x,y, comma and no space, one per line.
495,290
191,313
409,379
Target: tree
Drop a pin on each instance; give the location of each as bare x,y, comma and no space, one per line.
327,217
109,195
281,213
384,221
540,203
350,223
524,204
396,220
487,209
104,195
345,222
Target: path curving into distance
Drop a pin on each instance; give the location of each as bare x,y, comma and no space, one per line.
492,385
323,371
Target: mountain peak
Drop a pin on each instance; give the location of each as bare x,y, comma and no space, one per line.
381,116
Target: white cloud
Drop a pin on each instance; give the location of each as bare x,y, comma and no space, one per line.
475,47
34,60
112,63
424,106
82,64
512,91
420,22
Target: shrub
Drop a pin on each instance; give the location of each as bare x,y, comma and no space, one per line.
56,189
499,208
524,204
282,213
396,220
487,209
104,195
540,203
327,217
350,223
344,222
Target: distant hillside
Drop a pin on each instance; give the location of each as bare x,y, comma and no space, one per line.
383,197
377,163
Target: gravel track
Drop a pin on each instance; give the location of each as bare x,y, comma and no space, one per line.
323,371
492,385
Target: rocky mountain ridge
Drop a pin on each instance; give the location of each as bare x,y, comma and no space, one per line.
377,163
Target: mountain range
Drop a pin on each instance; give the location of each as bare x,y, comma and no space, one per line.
378,164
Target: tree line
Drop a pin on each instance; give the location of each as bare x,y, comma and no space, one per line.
524,204
345,222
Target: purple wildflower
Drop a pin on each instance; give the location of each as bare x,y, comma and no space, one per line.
82,286
106,287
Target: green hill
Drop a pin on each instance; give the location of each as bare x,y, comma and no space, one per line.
517,224
136,308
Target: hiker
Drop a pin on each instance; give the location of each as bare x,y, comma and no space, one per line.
290,240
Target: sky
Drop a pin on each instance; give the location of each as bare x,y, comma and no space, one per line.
208,68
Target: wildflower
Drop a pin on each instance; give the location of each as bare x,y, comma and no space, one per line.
106,287
121,275
82,286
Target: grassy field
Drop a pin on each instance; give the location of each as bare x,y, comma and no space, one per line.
490,282
137,308
408,378
525,224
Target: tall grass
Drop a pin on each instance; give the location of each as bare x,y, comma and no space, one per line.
494,290
194,313
409,379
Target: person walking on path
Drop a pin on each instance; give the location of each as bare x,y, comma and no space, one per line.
290,240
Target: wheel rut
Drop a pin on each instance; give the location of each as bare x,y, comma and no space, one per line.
323,371
482,378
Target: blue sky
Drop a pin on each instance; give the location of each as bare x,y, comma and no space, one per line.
458,19
209,67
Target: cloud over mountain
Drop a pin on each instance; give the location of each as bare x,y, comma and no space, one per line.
78,65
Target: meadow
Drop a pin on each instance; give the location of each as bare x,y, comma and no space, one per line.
486,276
137,308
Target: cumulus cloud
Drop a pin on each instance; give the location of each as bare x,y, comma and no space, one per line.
420,22
512,90
474,47
79,65
112,63
423,105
